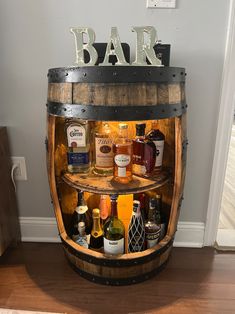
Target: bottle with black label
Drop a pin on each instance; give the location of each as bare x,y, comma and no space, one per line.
78,154
159,216
136,230
144,153
158,138
114,231
152,229
96,239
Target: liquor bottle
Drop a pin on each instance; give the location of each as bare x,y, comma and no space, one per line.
152,229
104,209
78,158
96,239
103,151
136,230
144,153
122,155
158,139
114,231
159,216
81,213
82,238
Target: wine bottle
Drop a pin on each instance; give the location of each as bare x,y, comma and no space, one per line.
96,239
159,217
136,230
152,229
144,153
81,213
114,231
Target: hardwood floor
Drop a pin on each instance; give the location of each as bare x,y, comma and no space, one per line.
37,276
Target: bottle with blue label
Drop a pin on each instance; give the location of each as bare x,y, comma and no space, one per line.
78,154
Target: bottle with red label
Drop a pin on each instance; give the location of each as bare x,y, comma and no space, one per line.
78,152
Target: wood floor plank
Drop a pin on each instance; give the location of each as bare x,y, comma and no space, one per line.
37,276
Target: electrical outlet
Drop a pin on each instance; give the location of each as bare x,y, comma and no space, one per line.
19,166
161,4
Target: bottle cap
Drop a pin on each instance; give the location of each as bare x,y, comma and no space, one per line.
113,197
152,203
140,125
158,196
136,205
96,213
122,126
140,129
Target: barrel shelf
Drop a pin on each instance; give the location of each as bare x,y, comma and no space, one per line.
106,185
117,94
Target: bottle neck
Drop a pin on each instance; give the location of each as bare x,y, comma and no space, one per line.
96,224
114,208
81,200
123,133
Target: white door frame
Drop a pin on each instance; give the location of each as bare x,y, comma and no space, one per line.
223,135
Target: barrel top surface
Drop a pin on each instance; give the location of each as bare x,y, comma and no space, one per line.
116,74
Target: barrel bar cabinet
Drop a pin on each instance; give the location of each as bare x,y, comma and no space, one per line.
112,93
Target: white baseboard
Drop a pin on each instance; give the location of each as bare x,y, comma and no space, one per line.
37,229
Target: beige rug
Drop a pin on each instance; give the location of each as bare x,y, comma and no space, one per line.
11,311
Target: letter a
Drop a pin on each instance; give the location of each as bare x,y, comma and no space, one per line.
80,46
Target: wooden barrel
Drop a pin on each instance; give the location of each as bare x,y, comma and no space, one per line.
114,94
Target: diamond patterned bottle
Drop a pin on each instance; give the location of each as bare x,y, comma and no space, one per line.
136,230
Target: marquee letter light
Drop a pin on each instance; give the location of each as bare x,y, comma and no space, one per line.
145,50
117,51
80,46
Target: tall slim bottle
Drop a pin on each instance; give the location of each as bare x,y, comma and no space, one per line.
136,230
96,240
78,154
104,209
122,155
114,231
152,229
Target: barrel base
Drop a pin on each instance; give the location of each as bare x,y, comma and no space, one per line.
114,279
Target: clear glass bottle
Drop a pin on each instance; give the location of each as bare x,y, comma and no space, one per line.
82,238
96,239
103,150
152,229
122,155
136,230
158,139
144,153
114,231
78,154
81,213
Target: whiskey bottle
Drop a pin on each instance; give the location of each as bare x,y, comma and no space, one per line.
104,209
114,231
152,229
122,155
103,151
82,238
144,153
78,145
96,239
136,230
81,213
158,139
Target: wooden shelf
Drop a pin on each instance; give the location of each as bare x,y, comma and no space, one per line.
106,185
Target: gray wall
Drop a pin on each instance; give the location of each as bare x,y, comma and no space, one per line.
34,36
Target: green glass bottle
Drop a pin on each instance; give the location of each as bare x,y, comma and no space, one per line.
114,231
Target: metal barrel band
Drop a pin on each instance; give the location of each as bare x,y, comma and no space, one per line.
116,113
116,262
119,281
117,74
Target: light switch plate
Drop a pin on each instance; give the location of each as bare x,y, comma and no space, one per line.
161,4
